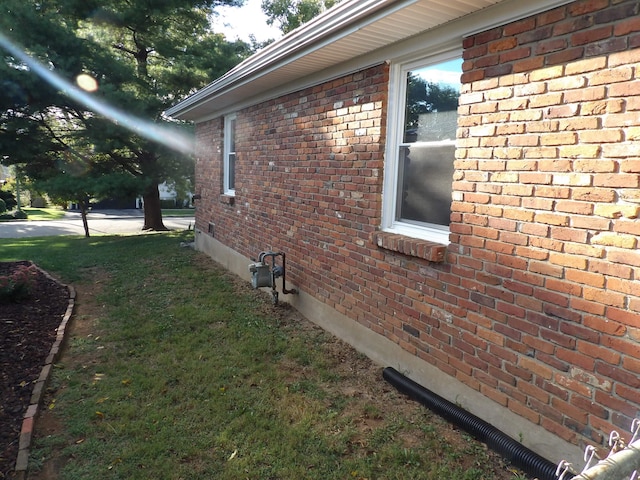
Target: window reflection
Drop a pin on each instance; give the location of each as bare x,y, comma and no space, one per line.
427,151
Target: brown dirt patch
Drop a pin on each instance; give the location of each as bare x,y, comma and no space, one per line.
86,311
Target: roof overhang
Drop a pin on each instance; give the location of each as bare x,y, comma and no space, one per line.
342,39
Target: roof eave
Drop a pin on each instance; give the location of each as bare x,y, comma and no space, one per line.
350,34
334,23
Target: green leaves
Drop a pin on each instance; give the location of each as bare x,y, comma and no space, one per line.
290,14
144,56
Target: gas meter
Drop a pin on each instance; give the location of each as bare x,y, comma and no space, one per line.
264,274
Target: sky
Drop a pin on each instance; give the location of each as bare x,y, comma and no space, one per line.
446,72
242,22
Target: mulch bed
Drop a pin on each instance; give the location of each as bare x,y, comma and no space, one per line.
27,332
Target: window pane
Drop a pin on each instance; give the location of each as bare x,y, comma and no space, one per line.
229,163
232,135
426,173
231,174
427,148
232,155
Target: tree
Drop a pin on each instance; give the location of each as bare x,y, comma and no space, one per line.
290,14
76,179
427,97
143,56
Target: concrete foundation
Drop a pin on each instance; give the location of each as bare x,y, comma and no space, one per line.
388,354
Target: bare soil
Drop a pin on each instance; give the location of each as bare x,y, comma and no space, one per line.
25,351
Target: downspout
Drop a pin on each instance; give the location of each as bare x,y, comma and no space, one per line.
516,453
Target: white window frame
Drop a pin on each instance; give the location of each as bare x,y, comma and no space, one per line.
230,126
395,130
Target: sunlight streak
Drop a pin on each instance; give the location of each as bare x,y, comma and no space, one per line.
169,137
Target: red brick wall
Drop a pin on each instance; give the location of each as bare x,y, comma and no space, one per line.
308,181
536,304
208,171
545,216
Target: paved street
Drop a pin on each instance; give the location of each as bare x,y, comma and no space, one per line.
103,222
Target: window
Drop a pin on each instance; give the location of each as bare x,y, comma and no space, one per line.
229,161
421,148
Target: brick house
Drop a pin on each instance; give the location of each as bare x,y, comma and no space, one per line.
494,261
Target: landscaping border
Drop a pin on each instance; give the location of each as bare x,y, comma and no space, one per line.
28,423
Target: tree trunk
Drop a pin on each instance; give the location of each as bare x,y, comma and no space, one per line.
152,210
83,212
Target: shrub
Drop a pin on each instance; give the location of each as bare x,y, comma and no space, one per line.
170,203
3,206
17,284
20,215
9,199
15,215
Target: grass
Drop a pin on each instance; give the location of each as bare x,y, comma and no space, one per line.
43,213
178,212
56,213
187,373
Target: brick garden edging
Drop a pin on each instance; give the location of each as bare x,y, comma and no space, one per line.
28,423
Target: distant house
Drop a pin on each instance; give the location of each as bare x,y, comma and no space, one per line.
4,174
493,259
168,198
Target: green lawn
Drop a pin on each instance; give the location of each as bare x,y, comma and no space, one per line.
43,213
184,372
54,213
178,212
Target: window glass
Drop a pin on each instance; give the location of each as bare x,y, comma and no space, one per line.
229,167
426,150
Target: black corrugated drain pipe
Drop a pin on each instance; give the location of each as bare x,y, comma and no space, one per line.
513,451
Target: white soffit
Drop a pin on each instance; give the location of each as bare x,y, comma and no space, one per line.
351,29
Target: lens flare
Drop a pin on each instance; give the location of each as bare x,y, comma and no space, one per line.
166,136
86,82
